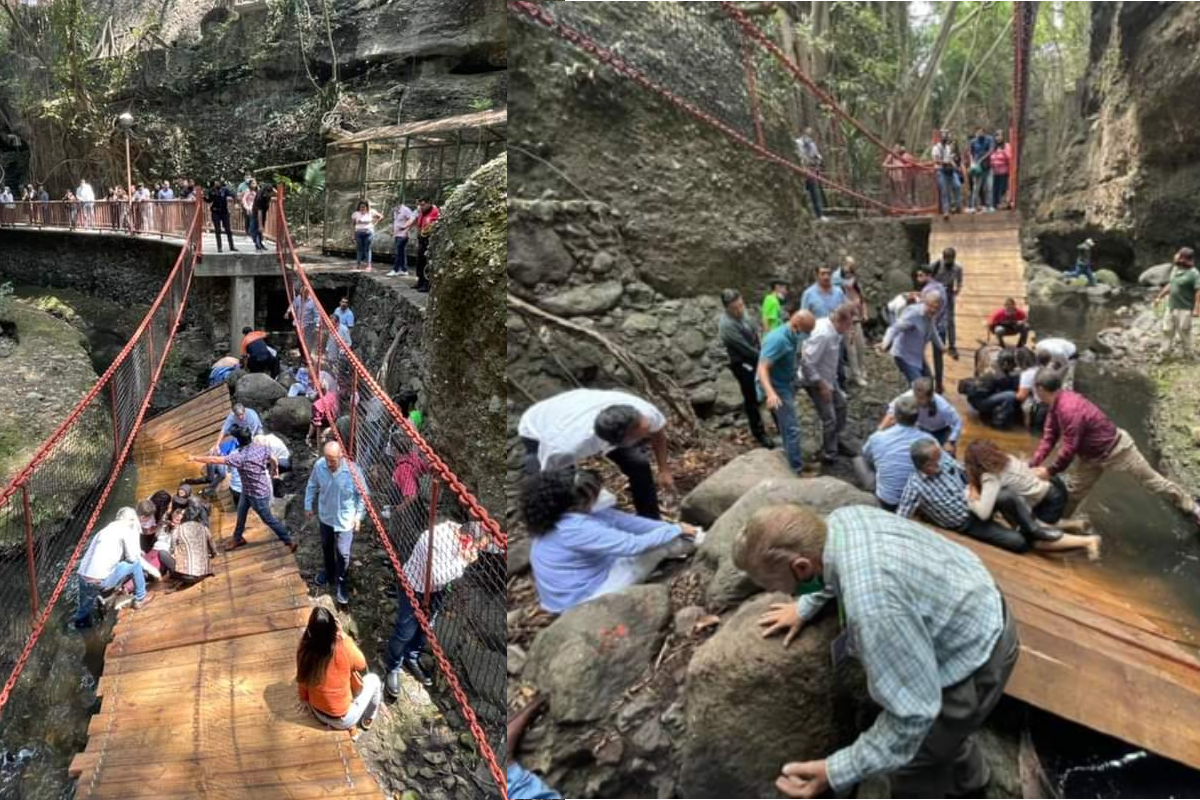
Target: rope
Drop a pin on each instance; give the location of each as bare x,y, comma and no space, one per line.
533,11
328,328
190,249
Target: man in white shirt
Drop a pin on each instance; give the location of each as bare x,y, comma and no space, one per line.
1060,350
455,547
573,426
281,456
810,158
85,195
403,218
114,555
819,357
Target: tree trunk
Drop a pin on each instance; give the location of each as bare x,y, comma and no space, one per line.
787,42
962,90
914,121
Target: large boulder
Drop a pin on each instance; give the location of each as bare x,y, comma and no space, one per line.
752,706
1157,275
258,390
591,654
1107,277
729,584
289,415
722,489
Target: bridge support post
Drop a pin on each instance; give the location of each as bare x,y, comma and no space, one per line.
241,307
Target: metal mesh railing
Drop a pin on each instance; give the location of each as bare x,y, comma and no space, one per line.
49,509
418,506
737,80
146,217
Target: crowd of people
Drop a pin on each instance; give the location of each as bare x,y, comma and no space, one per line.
981,168
931,628
405,223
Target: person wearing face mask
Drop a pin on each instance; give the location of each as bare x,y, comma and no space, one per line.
580,552
922,615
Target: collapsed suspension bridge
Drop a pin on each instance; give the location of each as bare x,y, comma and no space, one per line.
204,678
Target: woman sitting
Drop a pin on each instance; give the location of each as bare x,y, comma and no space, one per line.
997,481
325,664
580,552
191,548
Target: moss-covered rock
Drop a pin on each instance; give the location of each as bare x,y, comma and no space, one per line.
1108,278
464,333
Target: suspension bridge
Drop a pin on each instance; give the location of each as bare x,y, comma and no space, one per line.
1100,655
203,679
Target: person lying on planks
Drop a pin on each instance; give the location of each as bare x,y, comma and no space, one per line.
925,619
999,482
1081,429
113,556
455,548
327,661
580,552
573,426
942,493
935,415
1008,321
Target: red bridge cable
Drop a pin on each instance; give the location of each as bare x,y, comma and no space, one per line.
463,494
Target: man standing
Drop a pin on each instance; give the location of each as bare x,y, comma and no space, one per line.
854,345
427,216
948,185
935,414
773,314
811,160
777,377
741,342
982,147
1183,303
929,287
254,465
403,219
1008,321
819,369
343,314
949,274
579,424
886,460
822,297
242,188
218,200
1080,428
340,507
925,619
905,340
87,199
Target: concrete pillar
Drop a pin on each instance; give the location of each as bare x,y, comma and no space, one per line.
241,308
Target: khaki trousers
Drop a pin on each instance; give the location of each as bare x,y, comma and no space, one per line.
1125,457
1178,321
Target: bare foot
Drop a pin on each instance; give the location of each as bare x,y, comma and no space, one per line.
1093,548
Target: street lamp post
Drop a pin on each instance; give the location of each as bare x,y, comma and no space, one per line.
126,122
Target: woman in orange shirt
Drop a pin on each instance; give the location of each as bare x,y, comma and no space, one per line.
325,662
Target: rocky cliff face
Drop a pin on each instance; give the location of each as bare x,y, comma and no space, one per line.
1128,174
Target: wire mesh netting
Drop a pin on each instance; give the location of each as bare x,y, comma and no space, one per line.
49,509
736,78
448,554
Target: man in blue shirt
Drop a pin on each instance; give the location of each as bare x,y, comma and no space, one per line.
823,296
240,415
936,416
886,461
343,314
982,147
777,377
906,338
340,508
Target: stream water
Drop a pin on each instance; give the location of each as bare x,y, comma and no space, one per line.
1149,549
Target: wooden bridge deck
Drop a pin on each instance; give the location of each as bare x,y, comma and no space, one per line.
198,697
1091,651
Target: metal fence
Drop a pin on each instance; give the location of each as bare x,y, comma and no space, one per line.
146,217
418,507
739,81
48,511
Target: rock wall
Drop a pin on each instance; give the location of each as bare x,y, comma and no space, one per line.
1128,170
464,350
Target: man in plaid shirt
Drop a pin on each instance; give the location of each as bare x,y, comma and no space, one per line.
923,616
938,489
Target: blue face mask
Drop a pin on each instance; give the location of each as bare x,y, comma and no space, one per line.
810,586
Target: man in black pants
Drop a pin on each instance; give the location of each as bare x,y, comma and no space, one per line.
218,200
741,341
427,215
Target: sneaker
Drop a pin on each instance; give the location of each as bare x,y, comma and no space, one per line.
369,268
235,544
343,599
140,604
392,274
413,667
404,272
392,683
320,580
861,381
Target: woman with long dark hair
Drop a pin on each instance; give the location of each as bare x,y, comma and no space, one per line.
997,481
580,552
325,665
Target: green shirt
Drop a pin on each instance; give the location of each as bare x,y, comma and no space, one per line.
772,312
416,418
1184,285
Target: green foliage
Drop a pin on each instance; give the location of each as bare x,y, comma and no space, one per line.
480,103
314,177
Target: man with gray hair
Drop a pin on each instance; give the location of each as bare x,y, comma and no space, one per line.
819,359
886,460
906,338
340,508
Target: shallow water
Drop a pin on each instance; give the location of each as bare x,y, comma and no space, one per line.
1149,549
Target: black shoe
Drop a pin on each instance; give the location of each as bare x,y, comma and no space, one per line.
847,449
765,441
423,289
413,667
232,249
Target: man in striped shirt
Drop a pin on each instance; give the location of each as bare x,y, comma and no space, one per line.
938,490
923,616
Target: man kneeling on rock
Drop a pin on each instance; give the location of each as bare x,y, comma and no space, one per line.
923,616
